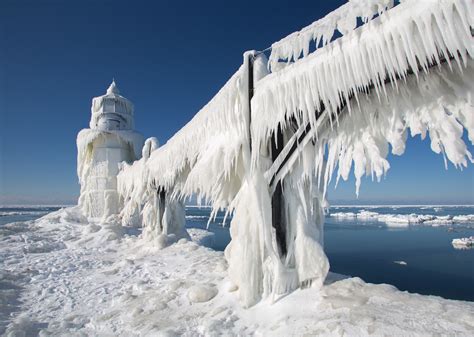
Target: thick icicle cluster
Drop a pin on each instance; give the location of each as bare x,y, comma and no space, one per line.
161,216
408,38
343,19
439,104
362,117
210,157
256,264
204,158
200,158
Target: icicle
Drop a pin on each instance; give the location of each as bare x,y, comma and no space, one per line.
343,19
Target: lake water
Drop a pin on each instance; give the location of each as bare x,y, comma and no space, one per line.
374,243
24,213
377,251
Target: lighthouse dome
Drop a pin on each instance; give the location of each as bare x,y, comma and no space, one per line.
112,111
113,89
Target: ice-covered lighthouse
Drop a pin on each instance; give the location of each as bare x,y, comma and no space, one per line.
109,141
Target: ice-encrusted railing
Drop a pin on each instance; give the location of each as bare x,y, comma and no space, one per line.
345,74
203,158
342,92
408,70
322,31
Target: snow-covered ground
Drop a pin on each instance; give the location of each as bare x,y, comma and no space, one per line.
61,276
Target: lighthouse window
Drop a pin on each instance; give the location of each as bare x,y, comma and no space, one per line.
109,105
113,124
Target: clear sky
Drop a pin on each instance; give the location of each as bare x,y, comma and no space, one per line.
169,58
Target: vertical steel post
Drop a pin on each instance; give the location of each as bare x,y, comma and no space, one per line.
278,209
250,95
278,205
162,202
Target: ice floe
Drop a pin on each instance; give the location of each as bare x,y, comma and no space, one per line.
397,220
463,243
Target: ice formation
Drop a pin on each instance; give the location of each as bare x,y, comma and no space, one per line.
408,69
343,19
405,219
340,91
205,157
109,141
463,243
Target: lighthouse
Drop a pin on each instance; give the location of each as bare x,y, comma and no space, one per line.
109,140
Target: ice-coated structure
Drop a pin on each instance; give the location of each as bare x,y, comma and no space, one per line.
146,204
407,71
109,141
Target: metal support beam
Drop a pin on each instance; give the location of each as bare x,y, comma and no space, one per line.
278,205
162,204
250,95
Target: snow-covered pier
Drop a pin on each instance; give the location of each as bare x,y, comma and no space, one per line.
271,140
311,109
268,144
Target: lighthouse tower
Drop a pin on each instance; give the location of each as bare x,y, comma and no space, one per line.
109,141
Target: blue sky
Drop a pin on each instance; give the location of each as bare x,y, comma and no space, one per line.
169,58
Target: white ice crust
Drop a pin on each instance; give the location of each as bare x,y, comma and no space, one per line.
463,243
222,155
343,19
64,276
397,220
101,149
435,101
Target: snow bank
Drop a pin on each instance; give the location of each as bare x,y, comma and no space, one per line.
200,293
